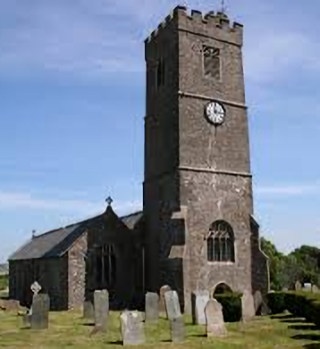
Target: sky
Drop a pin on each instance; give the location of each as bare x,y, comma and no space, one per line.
72,103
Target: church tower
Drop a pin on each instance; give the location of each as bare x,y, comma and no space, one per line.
200,230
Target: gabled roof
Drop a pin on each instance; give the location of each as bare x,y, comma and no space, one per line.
57,242
132,219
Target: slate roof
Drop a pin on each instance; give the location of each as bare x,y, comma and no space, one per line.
132,219
56,243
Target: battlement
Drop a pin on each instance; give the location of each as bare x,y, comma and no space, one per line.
208,22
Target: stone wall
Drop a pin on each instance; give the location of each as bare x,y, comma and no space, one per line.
195,171
52,275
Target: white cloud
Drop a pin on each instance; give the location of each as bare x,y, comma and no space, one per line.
15,201
277,54
288,190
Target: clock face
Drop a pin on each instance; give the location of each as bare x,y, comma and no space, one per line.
215,113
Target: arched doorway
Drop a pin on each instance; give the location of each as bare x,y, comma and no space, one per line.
222,288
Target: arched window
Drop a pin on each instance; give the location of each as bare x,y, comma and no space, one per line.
220,242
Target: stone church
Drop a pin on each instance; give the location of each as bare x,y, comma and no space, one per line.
197,229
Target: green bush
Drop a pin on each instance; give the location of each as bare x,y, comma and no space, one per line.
277,302
304,304
231,306
300,304
3,282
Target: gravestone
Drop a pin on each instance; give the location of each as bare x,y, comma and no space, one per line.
172,305
88,310
152,307
297,286
307,287
214,319
247,306
101,310
258,302
26,318
199,300
39,318
177,330
314,289
162,302
132,328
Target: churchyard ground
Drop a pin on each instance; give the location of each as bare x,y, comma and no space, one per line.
69,330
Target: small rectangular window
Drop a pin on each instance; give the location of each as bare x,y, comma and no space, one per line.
160,75
211,61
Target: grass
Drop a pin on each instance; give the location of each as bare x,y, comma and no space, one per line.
69,330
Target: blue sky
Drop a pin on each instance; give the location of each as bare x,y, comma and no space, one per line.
72,107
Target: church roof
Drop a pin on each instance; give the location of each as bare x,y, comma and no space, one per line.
57,242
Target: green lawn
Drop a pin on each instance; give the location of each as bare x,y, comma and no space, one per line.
69,330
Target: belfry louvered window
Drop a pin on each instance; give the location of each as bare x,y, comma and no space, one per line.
211,62
220,242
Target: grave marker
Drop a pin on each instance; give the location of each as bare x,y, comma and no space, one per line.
132,328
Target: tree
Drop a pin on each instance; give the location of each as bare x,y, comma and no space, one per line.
302,264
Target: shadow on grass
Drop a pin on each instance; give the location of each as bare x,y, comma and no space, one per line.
88,324
312,346
198,335
302,327
118,342
310,337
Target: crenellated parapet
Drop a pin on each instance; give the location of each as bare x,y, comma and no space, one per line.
213,24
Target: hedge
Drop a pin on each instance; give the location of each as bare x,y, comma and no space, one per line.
277,302
231,306
301,304
3,282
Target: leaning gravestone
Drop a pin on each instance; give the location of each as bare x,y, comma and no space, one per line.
101,310
152,307
247,306
88,310
162,302
132,328
258,302
172,305
297,286
214,319
39,318
177,330
199,300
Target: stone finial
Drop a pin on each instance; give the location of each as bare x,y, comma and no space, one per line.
109,200
35,287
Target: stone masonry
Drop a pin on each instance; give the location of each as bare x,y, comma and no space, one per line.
196,173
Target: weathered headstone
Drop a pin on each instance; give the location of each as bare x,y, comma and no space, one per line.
40,311
132,328
88,310
101,310
172,305
152,307
258,302
199,300
307,287
247,306
162,302
314,289
214,318
297,286
177,330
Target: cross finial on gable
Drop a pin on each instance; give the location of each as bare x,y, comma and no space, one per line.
223,6
109,200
